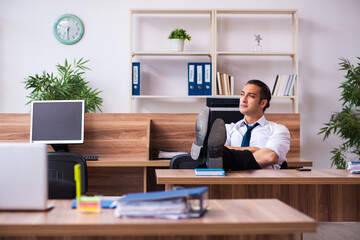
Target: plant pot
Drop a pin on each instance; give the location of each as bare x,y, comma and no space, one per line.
177,45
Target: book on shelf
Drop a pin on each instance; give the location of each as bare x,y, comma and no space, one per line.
225,84
209,172
232,85
199,78
136,78
218,81
284,85
181,203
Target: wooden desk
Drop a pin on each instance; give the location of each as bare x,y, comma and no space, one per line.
118,176
225,218
327,195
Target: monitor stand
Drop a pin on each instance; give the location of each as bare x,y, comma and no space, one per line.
60,147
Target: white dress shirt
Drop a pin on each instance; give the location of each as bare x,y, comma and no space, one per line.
267,135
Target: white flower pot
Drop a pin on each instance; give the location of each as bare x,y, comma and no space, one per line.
177,45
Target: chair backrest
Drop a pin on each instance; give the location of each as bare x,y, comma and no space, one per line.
61,173
184,161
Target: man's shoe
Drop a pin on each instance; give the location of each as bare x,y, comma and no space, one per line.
201,129
215,144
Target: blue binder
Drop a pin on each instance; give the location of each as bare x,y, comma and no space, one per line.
136,78
199,89
207,79
198,195
191,78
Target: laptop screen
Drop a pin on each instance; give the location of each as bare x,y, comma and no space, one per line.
23,176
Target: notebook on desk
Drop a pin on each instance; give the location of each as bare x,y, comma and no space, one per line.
23,176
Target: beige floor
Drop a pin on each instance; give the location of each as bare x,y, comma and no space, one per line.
335,231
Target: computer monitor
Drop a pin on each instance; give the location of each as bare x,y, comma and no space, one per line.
58,122
224,108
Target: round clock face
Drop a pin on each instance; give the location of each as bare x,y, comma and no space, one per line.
68,29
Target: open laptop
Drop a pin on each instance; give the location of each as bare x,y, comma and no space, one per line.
23,176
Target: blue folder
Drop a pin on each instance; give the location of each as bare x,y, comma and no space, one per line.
159,197
135,78
191,78
199,89
207,79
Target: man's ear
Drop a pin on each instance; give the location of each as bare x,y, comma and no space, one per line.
263,103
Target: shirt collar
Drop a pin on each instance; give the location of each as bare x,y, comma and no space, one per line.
262,121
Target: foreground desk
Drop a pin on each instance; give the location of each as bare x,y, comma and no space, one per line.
225,218
327,195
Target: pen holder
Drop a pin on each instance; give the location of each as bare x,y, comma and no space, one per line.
88,204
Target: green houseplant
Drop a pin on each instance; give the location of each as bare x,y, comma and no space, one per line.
346,123
69,85
179,33
178,36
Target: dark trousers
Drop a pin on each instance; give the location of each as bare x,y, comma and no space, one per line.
238,160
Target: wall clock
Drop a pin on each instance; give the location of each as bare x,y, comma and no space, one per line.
68,29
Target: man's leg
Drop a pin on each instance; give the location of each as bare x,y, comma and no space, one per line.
215,144
201,129
238,160
210,149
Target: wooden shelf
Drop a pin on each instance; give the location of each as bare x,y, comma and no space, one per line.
171,54
171,11
238,96
274,54
256,11
153,96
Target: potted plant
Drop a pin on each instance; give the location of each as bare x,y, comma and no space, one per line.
178,36
69,85
346,123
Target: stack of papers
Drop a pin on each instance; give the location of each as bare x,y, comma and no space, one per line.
209,172
174,204
354,167
169,155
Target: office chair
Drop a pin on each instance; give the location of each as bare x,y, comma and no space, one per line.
184,161
61,174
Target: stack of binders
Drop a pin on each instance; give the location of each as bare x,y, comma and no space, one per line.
354,167
199,78
182,203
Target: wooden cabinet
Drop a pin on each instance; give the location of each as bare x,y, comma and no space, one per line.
222,37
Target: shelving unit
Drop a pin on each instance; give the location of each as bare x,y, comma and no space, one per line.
179,55
293,53
215,52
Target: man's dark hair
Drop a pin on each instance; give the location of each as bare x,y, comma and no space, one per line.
264,91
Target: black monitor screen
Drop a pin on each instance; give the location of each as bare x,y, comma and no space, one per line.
57,122
224,108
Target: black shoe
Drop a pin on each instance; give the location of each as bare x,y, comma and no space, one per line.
215,144
201,129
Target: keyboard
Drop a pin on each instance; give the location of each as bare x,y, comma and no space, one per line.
91,157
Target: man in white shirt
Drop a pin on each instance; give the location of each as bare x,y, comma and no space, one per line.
264,146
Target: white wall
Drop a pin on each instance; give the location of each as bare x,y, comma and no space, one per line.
328,31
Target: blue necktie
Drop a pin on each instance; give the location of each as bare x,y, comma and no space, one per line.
246,140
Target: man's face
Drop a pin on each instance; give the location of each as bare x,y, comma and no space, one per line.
250,103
